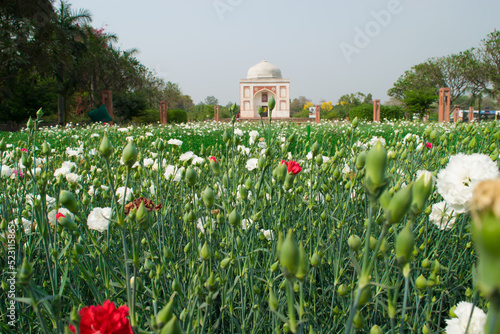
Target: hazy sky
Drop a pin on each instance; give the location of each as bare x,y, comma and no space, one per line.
327,48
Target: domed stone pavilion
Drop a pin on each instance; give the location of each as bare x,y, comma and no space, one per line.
263,81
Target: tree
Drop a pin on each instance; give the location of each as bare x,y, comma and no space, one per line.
452,74
482,66
368,99
419,101
352,100
68,46
24,58
422,77
171,94
211,101
297,105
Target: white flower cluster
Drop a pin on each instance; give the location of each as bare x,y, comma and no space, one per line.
456,182
463,312
98,219
66,168
120,192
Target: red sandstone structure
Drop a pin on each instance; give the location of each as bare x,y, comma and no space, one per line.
444,104
455,114
216,113
471,114
163,112
107,100
376,110
318,113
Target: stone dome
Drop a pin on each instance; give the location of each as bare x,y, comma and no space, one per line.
264,70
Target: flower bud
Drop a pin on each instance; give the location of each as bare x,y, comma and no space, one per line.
271,103
355,122
130,153
376,161
421,282
399,204
25,273
243,192
211,283
261,162
260,110
404,246
30,123
376,329
273,301
46,148
142,216
226,137
165,314
167,253
354,242
434,134
281,172
342,290
289,256
106,147
26,160
315,259
358,321
235,218
172,327
485,209
68,200
361,160
214,166
225,262
315,149
303,263
422,188
205,252
67,223
208,197
191,176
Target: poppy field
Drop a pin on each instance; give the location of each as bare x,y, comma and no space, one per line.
250,228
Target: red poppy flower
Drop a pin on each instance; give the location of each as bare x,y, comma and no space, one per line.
59,215
105,319
25,150
292,167
428,145
213,159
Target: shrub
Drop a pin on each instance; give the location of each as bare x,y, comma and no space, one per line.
176,116
149,116
302,114
365,112
129,105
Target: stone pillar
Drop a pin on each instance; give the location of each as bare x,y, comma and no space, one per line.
107,100
455,114
376,110
318,113
163,112
444,104
216,113
426,117
471,114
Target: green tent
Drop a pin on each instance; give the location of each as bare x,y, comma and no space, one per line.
100,114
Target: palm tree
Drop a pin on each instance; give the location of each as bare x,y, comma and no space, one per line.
68,45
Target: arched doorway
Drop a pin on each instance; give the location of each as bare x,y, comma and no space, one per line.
261,98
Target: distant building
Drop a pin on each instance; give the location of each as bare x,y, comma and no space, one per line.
263,81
